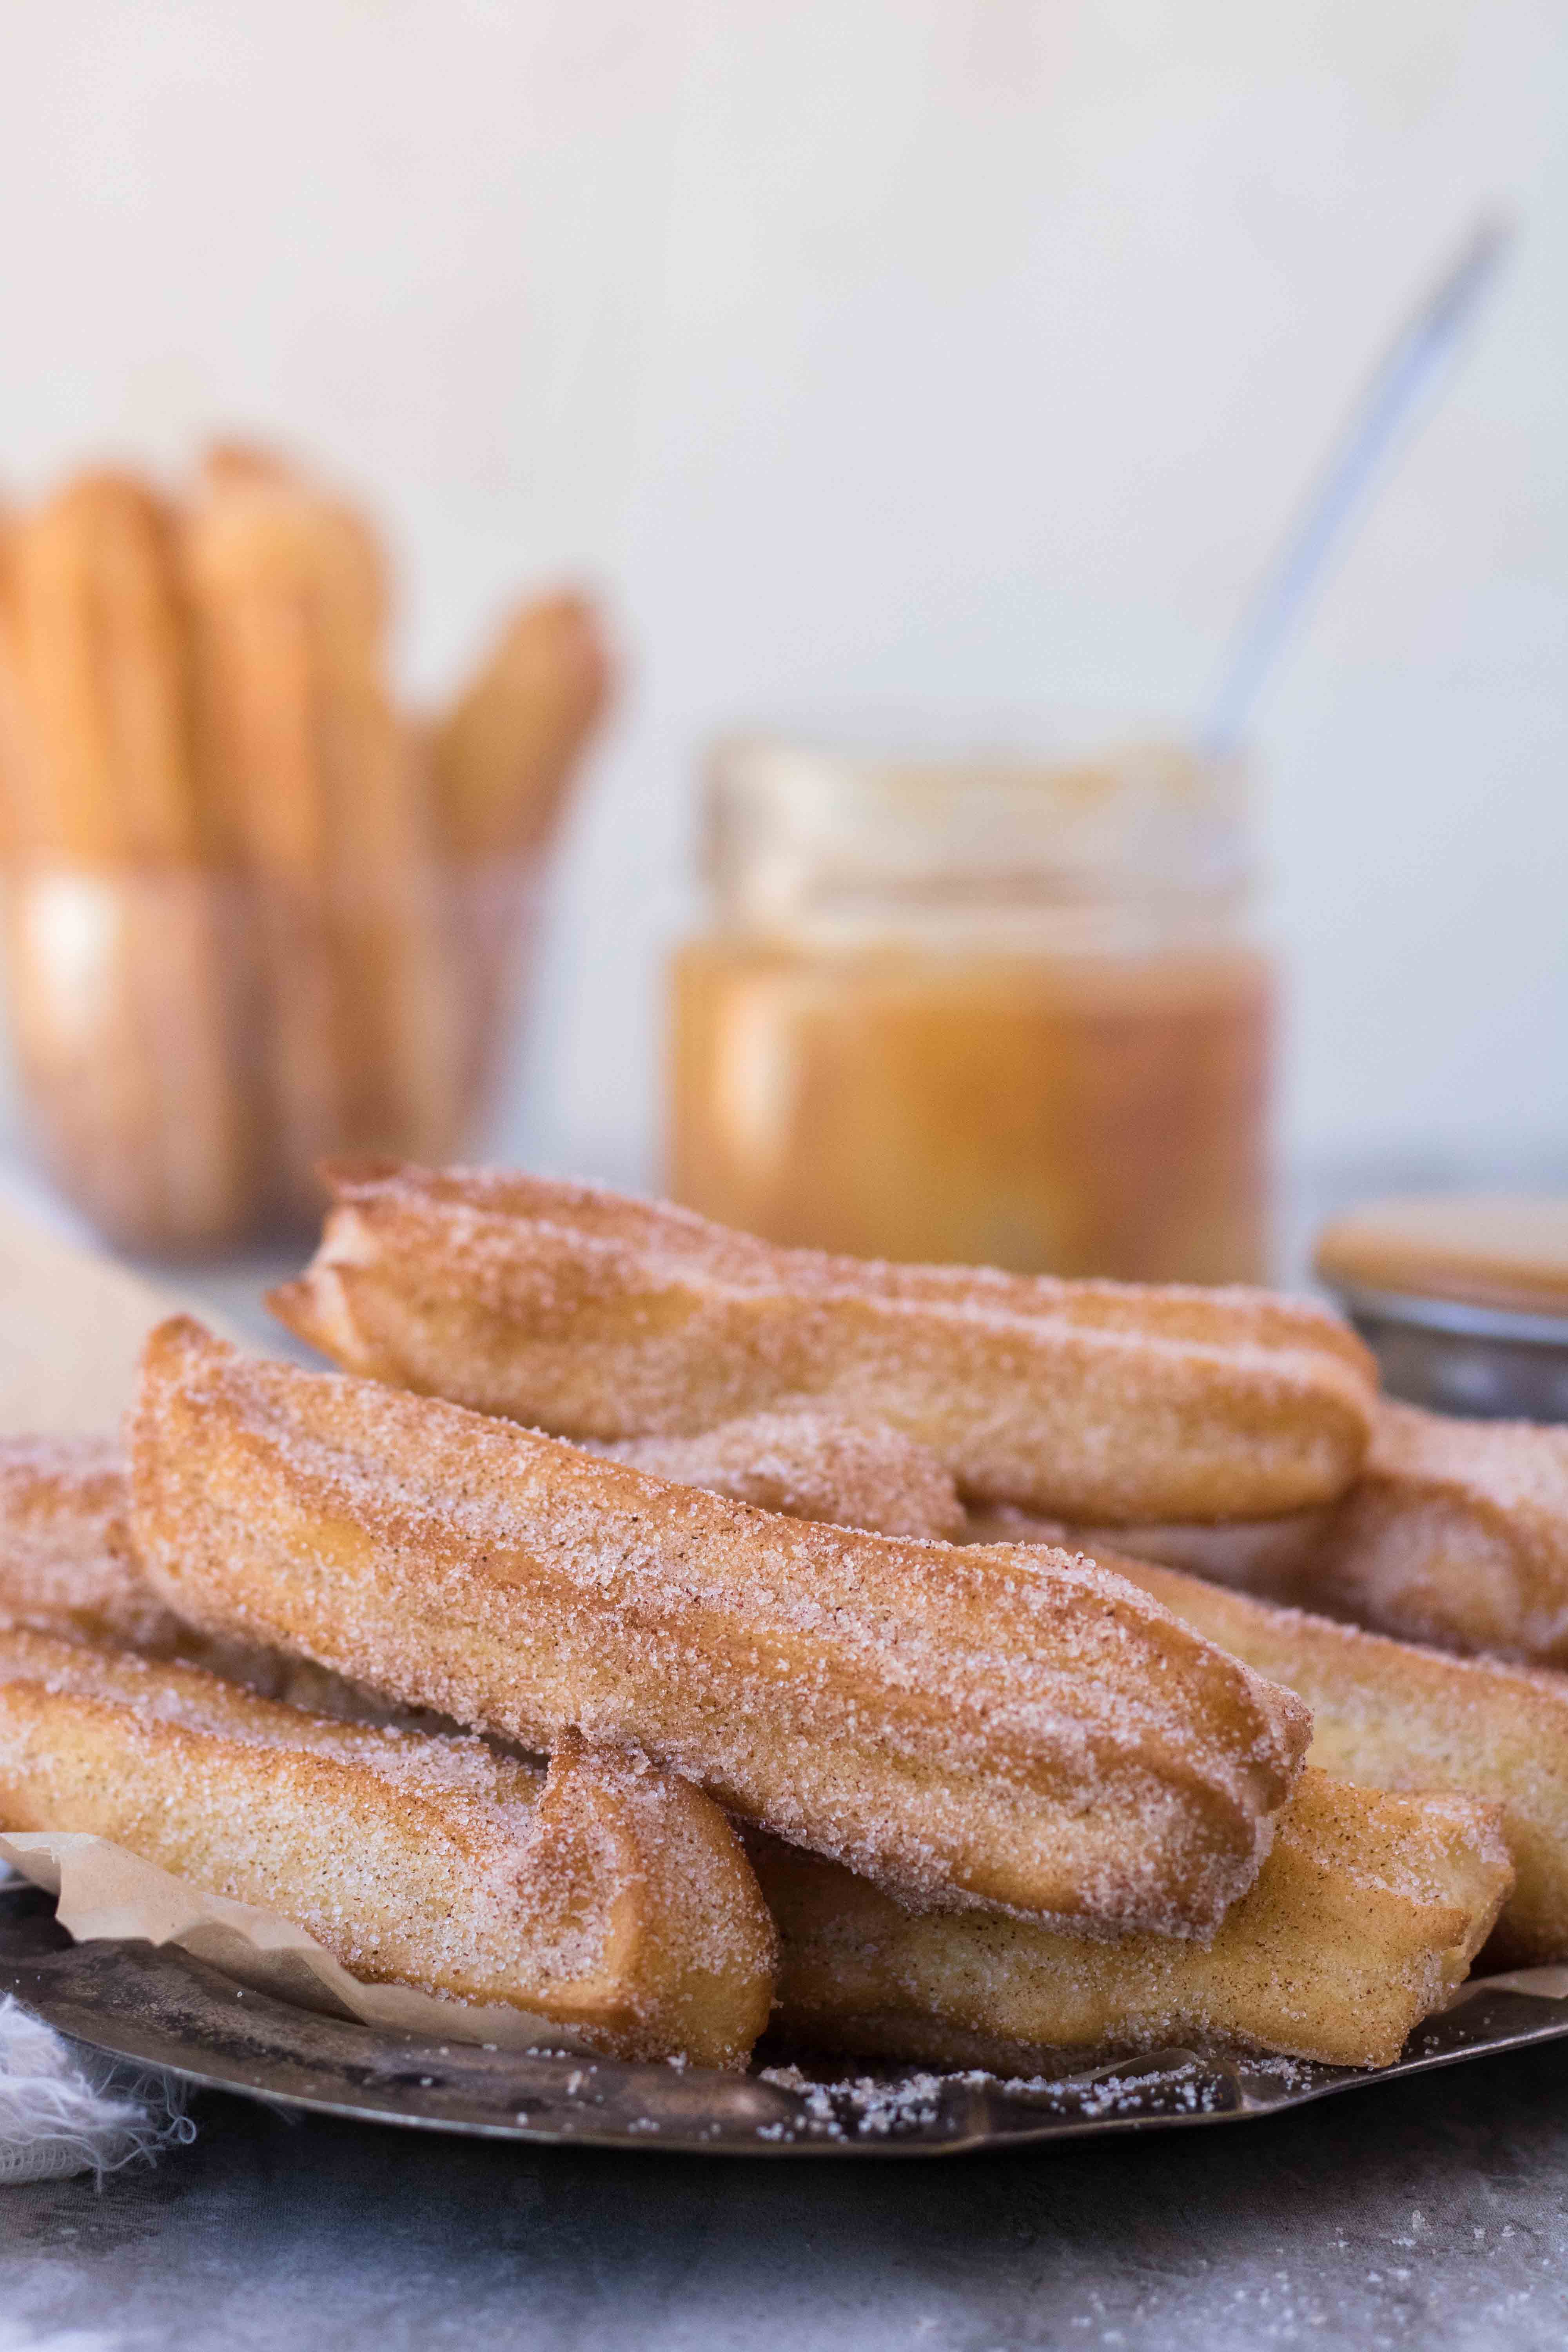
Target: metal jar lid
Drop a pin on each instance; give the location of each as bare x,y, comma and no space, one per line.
1465,1301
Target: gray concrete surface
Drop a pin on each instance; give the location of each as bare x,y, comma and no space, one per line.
1433,2212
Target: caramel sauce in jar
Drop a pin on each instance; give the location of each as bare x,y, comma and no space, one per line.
1002,1016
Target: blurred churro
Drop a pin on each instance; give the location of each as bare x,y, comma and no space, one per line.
99,625
502,753
66,1560
607,1897
1053,1742
583,1312
1364,1917
291,617
126,972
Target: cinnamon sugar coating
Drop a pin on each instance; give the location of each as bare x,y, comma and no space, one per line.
66,1562
596,1317
810,1465
605,1896
1389,1714
1366,1916
1455,1533
989,1728
68,1566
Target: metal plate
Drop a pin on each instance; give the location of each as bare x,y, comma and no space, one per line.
161,2008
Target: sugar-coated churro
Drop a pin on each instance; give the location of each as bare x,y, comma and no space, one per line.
577,1310
501,754
810,1465
1053,1742
66,1560
68,1566
1366,1914
124,969
1389,1714
607,1897
290,605
96,610
1455,1533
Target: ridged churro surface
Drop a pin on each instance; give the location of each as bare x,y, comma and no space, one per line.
1366,1914
68,1566
1389,1714
607,1896
1455,1533
1050,1741
594,1316
810,1465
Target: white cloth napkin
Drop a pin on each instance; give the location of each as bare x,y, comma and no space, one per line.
63,2111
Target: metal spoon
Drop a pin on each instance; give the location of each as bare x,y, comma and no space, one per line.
1425,340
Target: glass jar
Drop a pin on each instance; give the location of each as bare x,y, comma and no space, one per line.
986,1011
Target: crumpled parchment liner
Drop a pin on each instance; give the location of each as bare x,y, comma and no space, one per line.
103,1891
100,1891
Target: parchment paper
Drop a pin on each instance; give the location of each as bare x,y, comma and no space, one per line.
71,1327
102,1891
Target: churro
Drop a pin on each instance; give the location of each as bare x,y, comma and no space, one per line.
68,1566
125,972
1385,1715
579,1311
66,1560
607,1896
291,611
1455,1533
97,616
501,754
809,1465
1388,1715
1366,1916
1052,1742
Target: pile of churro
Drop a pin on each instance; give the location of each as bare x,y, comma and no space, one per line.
255,911
682,1640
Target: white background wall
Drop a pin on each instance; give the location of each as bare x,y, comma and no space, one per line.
965,353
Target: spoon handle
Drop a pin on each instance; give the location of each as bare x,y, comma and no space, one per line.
1424,343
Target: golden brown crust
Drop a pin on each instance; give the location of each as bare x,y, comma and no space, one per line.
609,1897
120,964
598,1316
810,1465
66,1560
104,654
289,603
1050,1741
1366,1916
1388,1715
503,755
1455,1533
68,1566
